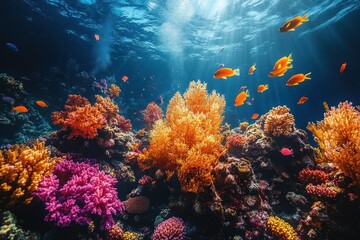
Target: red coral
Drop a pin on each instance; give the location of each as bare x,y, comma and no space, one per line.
151,114
235,140
123,123
313,176
172,228
322,190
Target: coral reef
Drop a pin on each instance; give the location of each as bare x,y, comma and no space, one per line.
10,230
172,228
279,121
76,192
151,114
21,170
281,229
114,91
188,141
338,136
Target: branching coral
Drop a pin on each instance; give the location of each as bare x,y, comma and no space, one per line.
281,229
76,192
313,176
151,114
188,140
114,91
21,170
107,107
338,137
279,121
323,190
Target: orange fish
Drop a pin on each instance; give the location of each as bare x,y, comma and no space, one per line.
342,68
226,72
302,100
293,23
97,37
255,116
124,78
241,98
262,88
242,88
41,103
252,69
20,109
281,66
297,78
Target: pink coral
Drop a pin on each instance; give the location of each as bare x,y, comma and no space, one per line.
172,228
123,123
151,114
235,140
76,192
322,190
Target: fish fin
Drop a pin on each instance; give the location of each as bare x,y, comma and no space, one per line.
290,57
307,76
287,25
224,78
236,72
247,93
291,30
305,18
291,66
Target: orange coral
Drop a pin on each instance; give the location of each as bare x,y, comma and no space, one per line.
188,140
338,137
85,122
114,91
281,229
106,106
279,121
74,101
21,170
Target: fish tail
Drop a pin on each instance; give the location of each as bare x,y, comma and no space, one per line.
247,93
307,76
305,18
266,87
290,66
290,57
236,72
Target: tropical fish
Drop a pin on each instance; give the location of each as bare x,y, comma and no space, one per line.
20,109
262,88
226,72
252,69
297,78
286,151
342,68
302,100
252,99
241,98
242,88
281,66
294,23
41,103
7,99
248,103
12,47
255,116
97,37
125,78
221,65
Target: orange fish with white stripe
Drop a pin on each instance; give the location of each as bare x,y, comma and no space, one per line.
281,66
297,78
294,23
252,69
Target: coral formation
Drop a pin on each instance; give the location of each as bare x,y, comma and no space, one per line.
281,229
172,228
313,176
151,114
322,190
21,170
338,136
76,192
279,121
114,91
188,141
132,236
115,233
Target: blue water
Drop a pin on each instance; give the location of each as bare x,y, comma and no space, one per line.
163,45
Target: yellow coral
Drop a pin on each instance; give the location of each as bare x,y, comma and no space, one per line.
107,107
132,236
188,140
279,121
21,170
114,91
338,137
281,229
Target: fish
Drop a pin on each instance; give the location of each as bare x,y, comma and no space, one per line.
7,99
125,78
12,47
255,116
294,23
241,98
226,72
286,151
242,88
342,68
252,69
297,78
221,65
252,99
262,88
281,66
97,37
302,100
248,103
41,103
222,49
160,100
20,109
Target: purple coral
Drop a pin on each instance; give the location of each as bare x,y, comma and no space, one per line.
75,192
172,228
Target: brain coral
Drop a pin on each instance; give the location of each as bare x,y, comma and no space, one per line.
188,140
279,121
338,137
172,228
